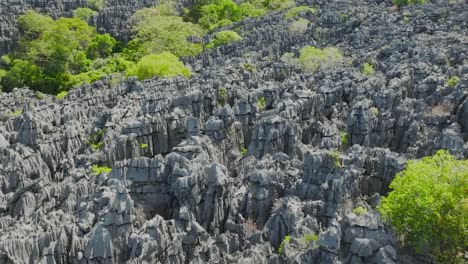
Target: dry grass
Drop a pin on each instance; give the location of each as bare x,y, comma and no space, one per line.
250,226
442,109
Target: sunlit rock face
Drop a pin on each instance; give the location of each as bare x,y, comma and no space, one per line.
196,179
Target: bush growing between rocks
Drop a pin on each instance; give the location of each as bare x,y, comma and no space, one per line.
98,170
295,11
283,244
359,211
311,58
84,13
407,2
143,146
164,64
368,69
61,95
344,139
95,4
261,104
222,38
428,205
453,81
299,26
310,237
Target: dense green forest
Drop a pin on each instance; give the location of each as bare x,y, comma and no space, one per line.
53,56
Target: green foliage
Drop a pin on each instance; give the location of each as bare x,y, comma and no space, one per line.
96,4
283,244
374,111
143,146
156,33
53,56
212,14
84,13
95,140
336,157
428,205
261,104
311,58
39,95
299,26
222,96
289,58
359,211
16,113
162,65
344,139
250,67
453,81
407,2
98,170
222,38
243,151
61,95
367,69
295,11
310,237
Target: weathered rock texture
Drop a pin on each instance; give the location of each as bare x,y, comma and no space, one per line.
180,190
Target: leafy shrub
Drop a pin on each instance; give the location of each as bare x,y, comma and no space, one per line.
453,81
367,69
84,13
428,205
311,58
222,96
39,95
359,211
289,58
374,111
96,4
299,26
250,67
162,65
261,104
143,146
295,11
283,244
407,2
243,151
223,37
97,170
336,157
278,4
310,237
16,113
155,33
95,140
344,139
61,95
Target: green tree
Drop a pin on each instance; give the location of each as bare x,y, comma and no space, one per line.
428,205
224,37
163,65
84,13
311,58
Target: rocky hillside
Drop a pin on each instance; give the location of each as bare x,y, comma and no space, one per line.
206,171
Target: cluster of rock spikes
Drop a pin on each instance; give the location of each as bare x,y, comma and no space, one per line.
203,173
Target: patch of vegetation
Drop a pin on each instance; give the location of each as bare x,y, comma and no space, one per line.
16,113
407,2
95,140
159,29
344,139
311,58
39,95
299,26
250,67
222,96
243,151
336,157
55,55
222,38
310,237
98,170
96,4
374,111
367,69
143,146
283,244
295,11
61,95
289,58
84,13
164,64
261,104
453,81
359,211
428,205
